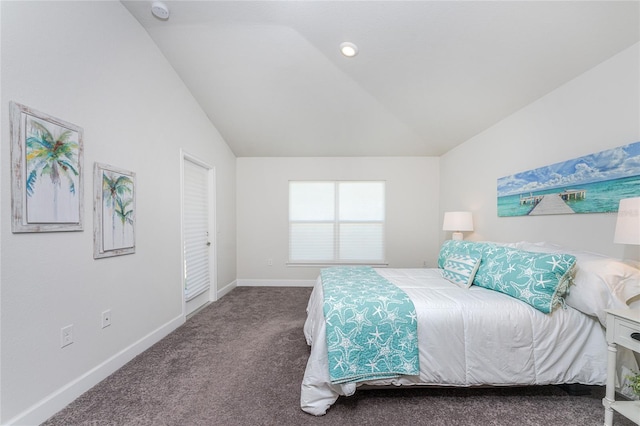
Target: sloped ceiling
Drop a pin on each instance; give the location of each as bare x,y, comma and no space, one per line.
429,74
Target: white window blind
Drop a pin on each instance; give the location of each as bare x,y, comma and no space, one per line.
336,222
196,227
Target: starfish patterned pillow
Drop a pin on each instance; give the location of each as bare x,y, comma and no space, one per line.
461,248
539,279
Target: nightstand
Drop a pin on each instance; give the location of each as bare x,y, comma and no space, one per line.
623,328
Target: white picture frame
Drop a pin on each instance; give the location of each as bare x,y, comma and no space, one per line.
114,210
46,172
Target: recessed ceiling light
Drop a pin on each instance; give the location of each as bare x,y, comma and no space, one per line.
348,49
160,10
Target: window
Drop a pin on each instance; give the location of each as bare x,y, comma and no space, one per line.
336,222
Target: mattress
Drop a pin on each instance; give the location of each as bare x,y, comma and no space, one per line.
469,337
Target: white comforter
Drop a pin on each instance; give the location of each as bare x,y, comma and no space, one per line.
470,337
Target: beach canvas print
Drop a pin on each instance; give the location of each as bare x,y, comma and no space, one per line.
591,184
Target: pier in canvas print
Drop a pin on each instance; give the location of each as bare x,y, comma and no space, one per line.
591,184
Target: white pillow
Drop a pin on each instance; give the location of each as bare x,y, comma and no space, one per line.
600,282
460,269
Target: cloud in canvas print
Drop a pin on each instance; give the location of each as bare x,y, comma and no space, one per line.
117,210
52,176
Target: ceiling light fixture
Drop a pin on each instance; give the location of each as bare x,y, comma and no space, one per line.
348,49
160,10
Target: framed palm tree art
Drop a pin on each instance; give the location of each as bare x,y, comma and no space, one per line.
114,209
46,172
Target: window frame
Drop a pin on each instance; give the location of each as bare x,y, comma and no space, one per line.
336,222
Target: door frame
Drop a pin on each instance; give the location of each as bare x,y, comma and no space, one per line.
211,175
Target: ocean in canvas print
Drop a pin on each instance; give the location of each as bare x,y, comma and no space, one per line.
591,184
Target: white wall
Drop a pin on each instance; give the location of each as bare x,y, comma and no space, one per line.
598,110
262,208
92,64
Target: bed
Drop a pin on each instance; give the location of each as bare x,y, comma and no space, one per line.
473,335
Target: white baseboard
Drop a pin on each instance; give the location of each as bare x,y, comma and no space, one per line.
59,399
226,289
275,283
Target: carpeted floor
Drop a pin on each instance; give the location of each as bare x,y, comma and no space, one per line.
241,360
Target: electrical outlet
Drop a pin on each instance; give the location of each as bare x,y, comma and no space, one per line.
106,318
66,336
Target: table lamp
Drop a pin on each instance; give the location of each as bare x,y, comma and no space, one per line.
628,222
457,222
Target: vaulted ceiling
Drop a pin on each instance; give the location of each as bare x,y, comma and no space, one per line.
429,75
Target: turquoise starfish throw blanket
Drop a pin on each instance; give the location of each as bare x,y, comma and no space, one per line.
372,329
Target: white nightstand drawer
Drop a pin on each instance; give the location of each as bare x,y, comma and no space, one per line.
623,331
621,324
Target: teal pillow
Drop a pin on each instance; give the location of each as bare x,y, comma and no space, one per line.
461,248
539,279
461,269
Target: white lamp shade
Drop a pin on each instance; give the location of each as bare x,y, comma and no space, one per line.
458,221
628,223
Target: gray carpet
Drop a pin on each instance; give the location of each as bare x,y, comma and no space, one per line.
241,360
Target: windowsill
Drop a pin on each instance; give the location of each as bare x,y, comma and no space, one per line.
327,265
